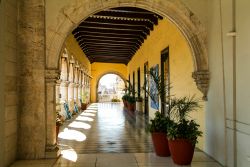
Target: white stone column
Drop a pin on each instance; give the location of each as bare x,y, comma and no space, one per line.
76,92
52,150
31,47
79,95
71,96
58,96
64,91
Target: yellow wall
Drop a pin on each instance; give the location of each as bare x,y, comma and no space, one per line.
99,69
73,48
181,64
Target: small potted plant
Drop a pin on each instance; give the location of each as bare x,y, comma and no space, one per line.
183,133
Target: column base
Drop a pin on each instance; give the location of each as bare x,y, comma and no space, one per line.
52,152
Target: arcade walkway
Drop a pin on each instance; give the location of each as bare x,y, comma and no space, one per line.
107,136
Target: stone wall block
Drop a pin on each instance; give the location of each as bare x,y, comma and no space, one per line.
10,25
10,84
10,39
11,113
10,69
11,99
11,54
12,128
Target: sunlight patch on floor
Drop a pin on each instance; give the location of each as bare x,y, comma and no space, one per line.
81,125
83,118
87,114
69,154
69,134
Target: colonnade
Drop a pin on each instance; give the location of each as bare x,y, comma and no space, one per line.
73,86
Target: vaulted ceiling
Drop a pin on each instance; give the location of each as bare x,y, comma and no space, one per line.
114,35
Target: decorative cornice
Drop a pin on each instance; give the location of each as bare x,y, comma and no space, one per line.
202,81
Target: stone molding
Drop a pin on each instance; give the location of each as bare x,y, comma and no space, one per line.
202,81
52,75
65,83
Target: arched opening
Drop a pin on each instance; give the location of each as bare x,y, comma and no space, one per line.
189,27
110,88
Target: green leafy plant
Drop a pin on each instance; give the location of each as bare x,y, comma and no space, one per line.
125,97
160,90
182,127
160,123
131,99
115,100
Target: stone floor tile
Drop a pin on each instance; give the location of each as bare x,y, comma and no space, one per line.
201,156
113,137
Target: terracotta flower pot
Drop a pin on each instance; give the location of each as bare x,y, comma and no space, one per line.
125,103
131,106
182,151
160,142
84,106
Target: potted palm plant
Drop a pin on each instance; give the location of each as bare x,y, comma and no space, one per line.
158,128
182,132
159,125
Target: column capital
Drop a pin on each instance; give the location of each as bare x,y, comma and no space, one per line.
76,85
52,75
202,81
64,83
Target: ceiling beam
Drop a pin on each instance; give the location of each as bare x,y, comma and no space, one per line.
91,49
105,43
146,23
109,40
115,26
107,36
121,14
109,47
110,31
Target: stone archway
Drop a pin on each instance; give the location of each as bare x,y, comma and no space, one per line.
72,14
40,59
105,73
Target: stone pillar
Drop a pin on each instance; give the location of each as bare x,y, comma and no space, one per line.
76,92
52,150
58,96
64,91
71,96
31,42
79,95
58,91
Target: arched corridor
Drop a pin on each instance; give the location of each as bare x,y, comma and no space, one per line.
55,52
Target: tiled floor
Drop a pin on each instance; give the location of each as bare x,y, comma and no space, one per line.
107,136
110,129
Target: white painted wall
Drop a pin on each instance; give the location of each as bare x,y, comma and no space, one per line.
242,82
228,99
